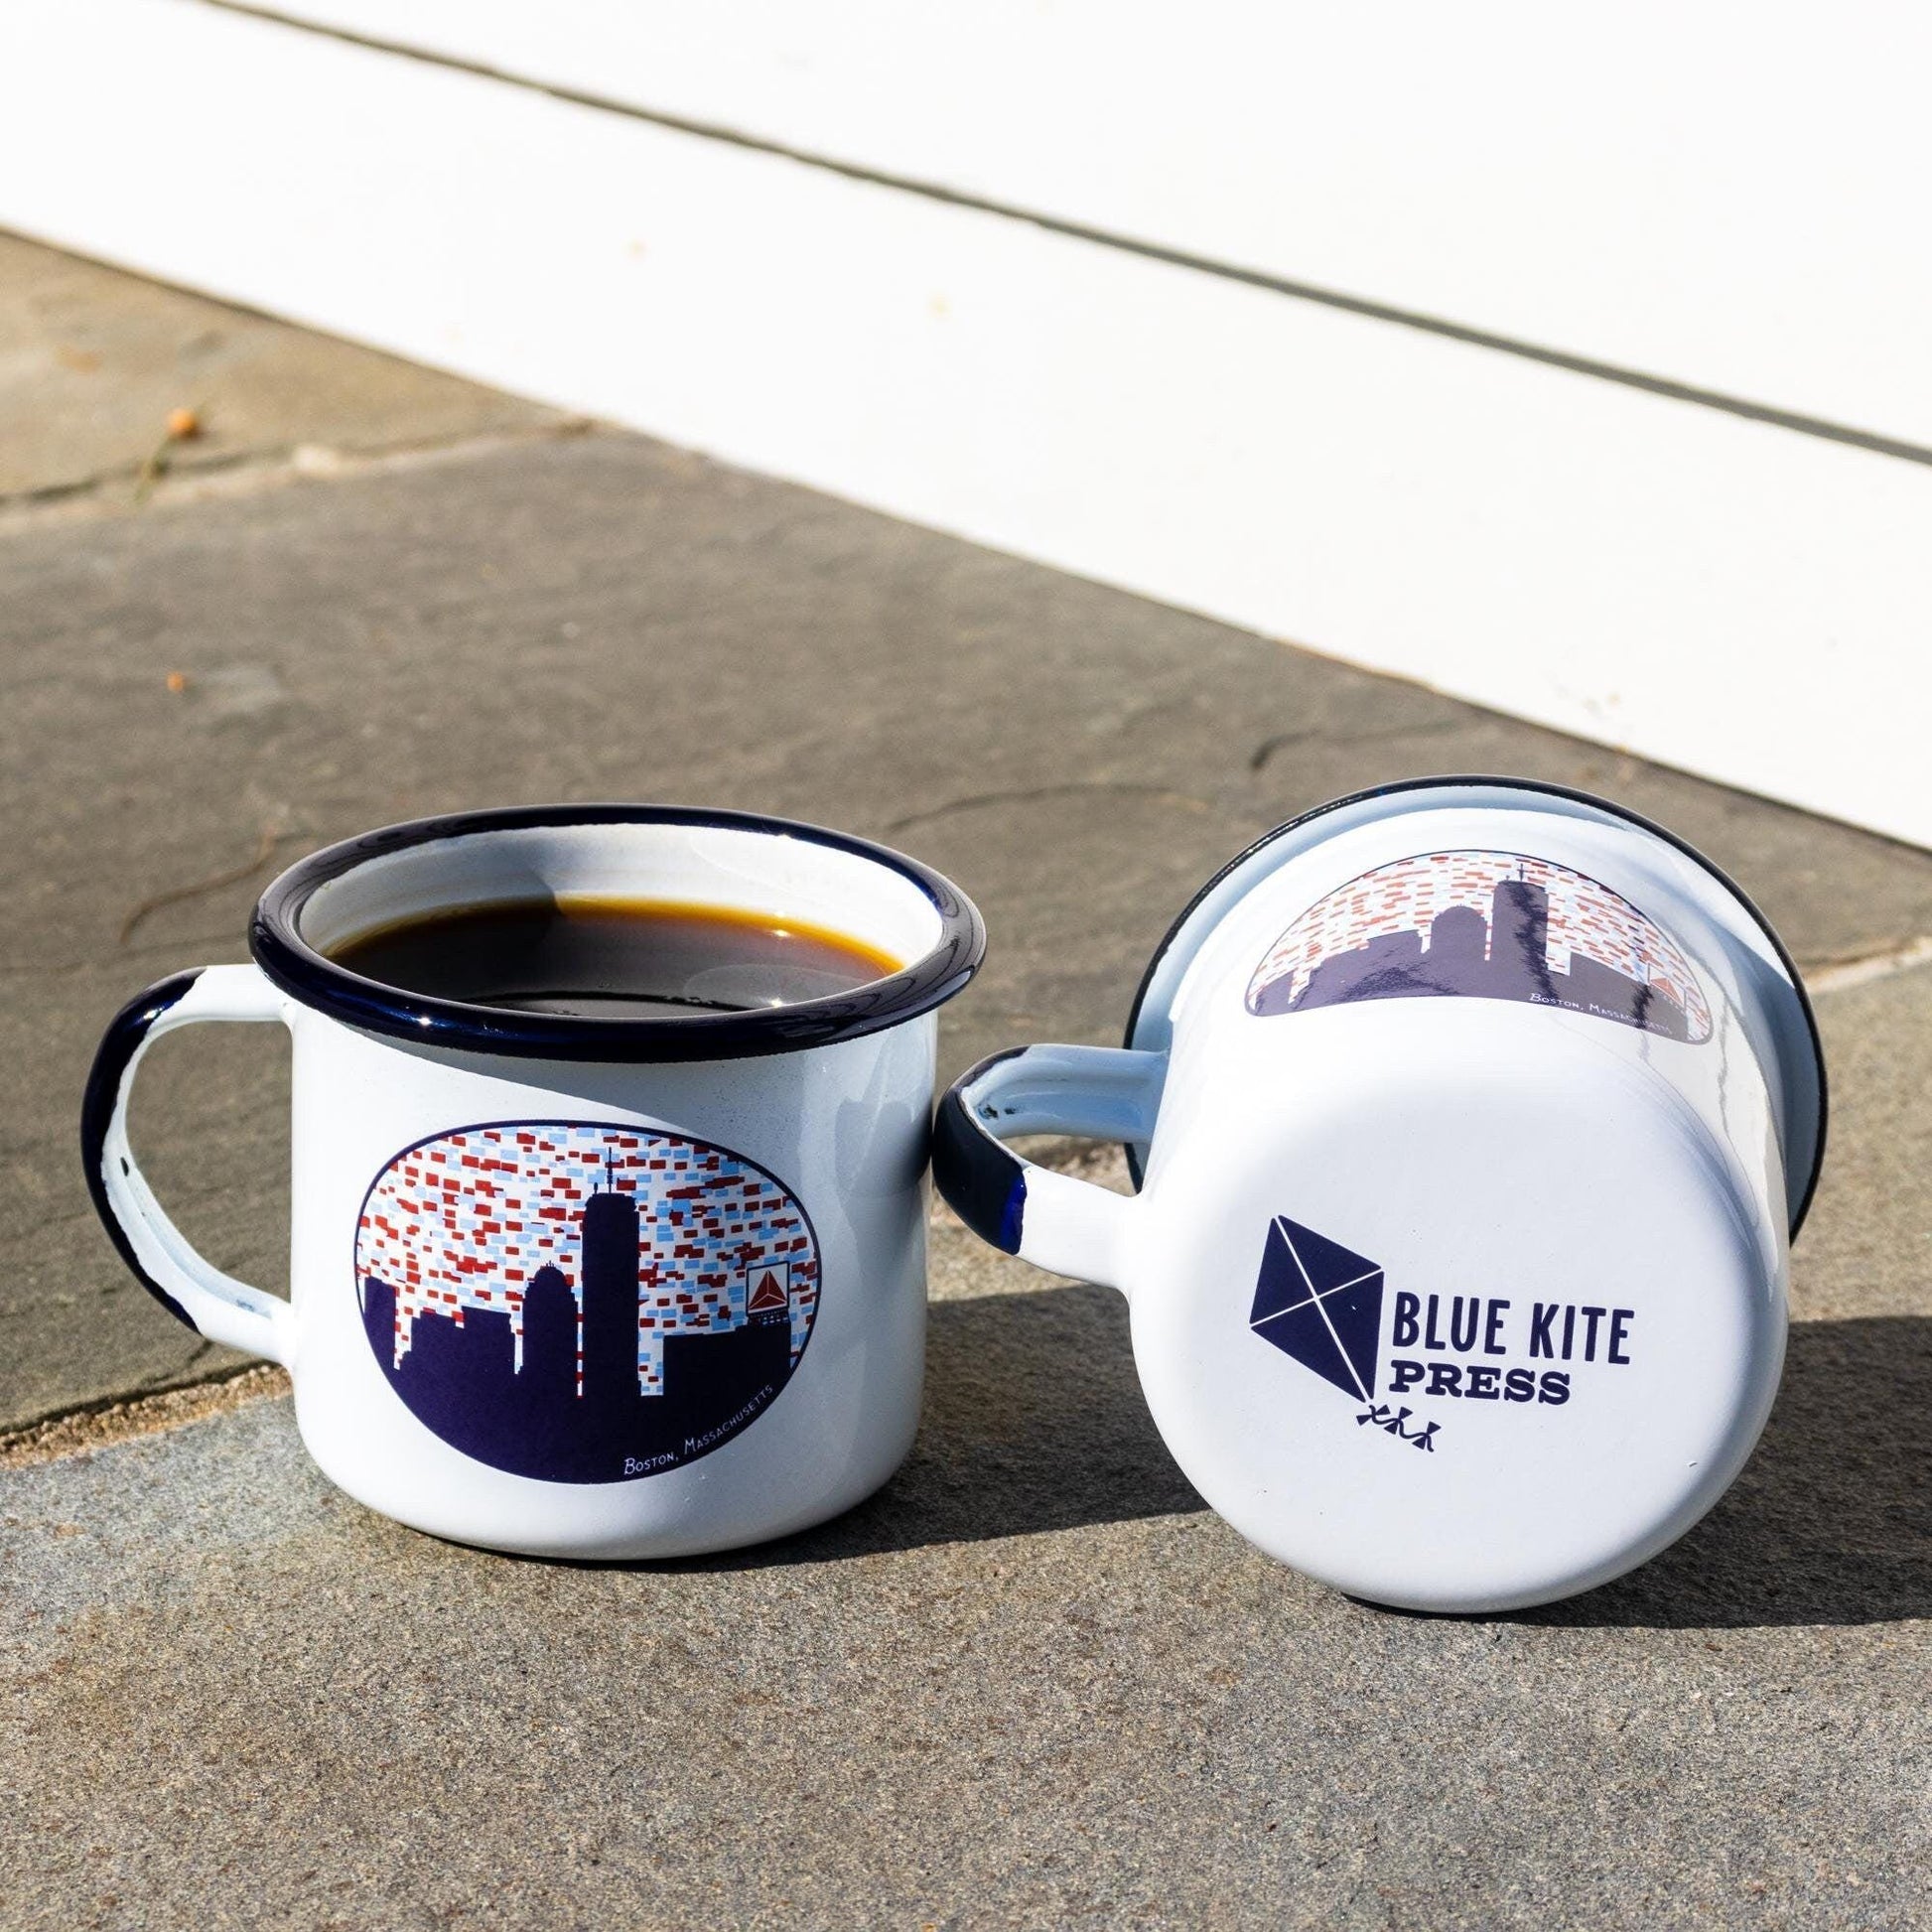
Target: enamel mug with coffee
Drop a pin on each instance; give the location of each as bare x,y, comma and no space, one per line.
1472,1119
572,1284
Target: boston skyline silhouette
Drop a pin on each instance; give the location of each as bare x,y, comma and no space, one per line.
1504,957
463,1381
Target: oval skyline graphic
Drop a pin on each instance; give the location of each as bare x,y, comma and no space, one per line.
584,1302
1495,925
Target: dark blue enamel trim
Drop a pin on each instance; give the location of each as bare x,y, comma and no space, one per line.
1013,1216
1450,780
118,1047
982,1181
275,938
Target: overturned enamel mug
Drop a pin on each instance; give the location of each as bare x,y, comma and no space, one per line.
1471,1119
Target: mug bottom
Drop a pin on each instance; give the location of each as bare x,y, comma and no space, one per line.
733,1499
647,1547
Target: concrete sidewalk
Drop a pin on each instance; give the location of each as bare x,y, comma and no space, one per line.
1033,1681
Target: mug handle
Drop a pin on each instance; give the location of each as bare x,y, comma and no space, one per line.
1066,1225
190,1289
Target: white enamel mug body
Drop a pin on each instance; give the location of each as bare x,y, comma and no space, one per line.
578,1287
1472,1119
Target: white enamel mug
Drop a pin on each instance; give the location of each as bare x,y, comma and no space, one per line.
1471,1119
570,1285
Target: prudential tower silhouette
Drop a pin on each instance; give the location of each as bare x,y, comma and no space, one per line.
610,1257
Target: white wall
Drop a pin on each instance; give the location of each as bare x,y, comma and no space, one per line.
1737,598
1733,196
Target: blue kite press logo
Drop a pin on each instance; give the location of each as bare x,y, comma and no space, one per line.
1321,1305
582,1303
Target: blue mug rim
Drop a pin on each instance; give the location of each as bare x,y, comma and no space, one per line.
319,982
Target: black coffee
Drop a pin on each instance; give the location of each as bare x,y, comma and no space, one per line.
614,958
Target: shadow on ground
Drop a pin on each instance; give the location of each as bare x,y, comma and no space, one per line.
1830,1521
1035,1422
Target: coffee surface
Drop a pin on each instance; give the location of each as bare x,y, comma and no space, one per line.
614,958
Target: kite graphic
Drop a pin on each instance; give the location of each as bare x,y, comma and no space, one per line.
1320,1304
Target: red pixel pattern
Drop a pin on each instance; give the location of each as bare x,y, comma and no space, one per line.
467,1221
1585,917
